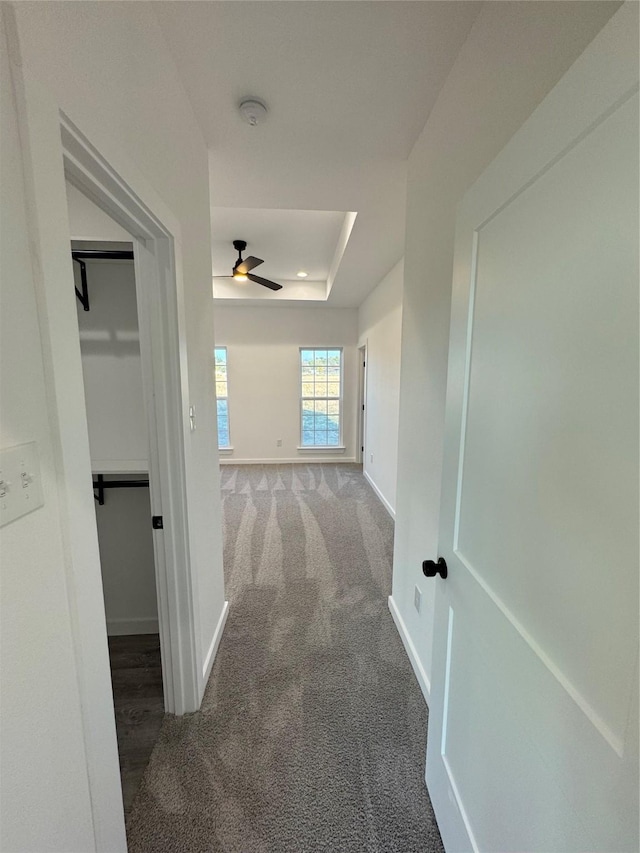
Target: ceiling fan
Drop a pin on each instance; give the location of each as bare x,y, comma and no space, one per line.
242,268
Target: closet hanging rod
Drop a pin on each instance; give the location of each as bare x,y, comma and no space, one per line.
82,255
101,484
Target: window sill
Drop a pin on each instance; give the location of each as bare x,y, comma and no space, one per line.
225,451
321,448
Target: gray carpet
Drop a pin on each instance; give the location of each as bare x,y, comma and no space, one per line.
311,735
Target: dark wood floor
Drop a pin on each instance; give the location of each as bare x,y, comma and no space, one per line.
136,675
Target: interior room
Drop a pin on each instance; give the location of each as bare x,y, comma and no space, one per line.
319,426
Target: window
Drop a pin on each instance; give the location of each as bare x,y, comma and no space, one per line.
222,395
321,397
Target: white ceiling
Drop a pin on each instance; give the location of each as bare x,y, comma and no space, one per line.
349,86
288,241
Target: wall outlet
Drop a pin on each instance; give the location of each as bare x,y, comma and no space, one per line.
417,598
371,457
279,442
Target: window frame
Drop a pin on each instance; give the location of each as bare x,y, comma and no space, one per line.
222,447
340,399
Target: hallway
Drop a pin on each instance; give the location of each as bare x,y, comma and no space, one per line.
311,735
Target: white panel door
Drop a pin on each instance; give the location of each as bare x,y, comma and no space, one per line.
533,730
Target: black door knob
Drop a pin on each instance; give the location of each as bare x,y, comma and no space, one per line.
430,568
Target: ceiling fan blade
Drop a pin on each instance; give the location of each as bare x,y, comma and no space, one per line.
248,264
264,282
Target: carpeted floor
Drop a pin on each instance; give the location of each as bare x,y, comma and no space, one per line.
312,731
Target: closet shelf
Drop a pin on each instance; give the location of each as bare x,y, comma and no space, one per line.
120,466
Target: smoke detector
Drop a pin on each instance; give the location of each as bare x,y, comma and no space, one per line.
252,111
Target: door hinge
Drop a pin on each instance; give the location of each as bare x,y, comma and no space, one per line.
363,407
156,522
362,449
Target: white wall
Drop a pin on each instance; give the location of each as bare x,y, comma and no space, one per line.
107,68
513,56
264,377
380,328
88,222
43,785
126,557
112,373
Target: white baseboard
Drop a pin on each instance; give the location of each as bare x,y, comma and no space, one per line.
410,649
123,627
297,461
215,642
383,500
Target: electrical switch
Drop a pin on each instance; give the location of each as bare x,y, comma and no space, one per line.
19,465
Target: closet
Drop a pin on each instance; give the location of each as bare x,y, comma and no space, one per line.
104,279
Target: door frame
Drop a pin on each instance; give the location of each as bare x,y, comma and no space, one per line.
160,339
362,402
54,149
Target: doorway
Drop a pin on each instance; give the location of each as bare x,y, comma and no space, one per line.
106,304
163,380
362,402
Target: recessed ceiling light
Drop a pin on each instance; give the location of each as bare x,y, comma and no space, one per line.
302,274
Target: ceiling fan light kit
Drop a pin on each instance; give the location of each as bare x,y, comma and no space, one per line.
253,111
241,268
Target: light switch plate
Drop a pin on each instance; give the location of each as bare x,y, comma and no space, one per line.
20,482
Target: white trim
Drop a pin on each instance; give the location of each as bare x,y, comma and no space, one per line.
124,627
215,642
385,503
410,649
362,401
284,461
226,450
165,384
120,466
339,448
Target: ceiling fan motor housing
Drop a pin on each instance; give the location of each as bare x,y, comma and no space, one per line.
239,246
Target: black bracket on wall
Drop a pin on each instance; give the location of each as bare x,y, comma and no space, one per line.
84,296
80,255
101,484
